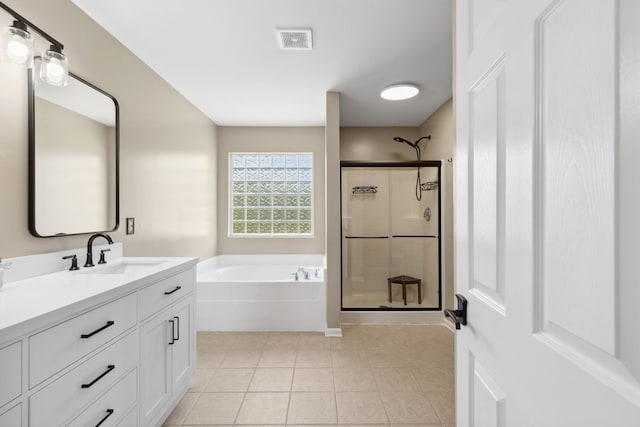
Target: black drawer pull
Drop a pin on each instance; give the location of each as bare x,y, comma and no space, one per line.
109,323
173,328
109,413
109,369
176,289
178,328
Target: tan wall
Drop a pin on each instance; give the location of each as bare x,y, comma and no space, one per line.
168,156
376,143
257,139
332,144
441,127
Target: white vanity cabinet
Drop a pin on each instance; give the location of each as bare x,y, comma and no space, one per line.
11,373
11,417
167,345
120,356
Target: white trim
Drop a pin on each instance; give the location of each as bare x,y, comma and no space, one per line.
333,332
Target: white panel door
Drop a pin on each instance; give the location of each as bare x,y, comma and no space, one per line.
547,208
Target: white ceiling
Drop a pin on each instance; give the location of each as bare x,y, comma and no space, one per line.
223,56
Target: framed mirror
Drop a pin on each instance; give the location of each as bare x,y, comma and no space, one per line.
73,158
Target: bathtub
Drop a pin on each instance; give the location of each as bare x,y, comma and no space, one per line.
260,293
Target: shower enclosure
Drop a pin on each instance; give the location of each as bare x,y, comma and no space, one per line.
391,235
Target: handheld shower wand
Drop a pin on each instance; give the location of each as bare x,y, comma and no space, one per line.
416,147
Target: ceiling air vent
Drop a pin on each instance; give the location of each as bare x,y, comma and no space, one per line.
297,39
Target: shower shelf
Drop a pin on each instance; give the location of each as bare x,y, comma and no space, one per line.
364,189
430,185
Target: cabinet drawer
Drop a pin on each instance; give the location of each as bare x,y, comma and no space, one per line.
65,396
112,406
10,372
12,418
57,347
159,295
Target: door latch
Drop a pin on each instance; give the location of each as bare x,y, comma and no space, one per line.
458,316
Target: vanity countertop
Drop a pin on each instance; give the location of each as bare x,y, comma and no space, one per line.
31,303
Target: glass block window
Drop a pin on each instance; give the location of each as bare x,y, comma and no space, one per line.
271,194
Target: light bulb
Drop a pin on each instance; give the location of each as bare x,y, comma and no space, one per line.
55,71
17,51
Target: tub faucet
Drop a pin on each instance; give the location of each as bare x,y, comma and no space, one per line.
89,262
306,273
295,275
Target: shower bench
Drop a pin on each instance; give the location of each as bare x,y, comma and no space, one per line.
404,281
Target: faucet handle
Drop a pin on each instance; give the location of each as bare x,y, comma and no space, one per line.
102,260
74,262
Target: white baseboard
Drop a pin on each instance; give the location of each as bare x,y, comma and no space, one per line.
333,332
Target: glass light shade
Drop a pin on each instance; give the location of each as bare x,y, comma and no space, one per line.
54,69
18,45
399,92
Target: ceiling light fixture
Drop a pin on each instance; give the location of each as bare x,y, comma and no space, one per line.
399,92
17,47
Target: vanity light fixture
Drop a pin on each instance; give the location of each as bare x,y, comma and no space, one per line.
18,44
399,92
54,68
18,47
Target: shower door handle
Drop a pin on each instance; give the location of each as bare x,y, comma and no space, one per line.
458,316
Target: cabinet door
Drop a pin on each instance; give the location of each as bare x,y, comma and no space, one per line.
155,382
183,358
12,418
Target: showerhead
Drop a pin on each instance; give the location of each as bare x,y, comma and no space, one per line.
413,144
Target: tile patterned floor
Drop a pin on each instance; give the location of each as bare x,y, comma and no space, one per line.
373,375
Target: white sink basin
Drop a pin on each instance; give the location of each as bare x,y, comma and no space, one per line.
123,267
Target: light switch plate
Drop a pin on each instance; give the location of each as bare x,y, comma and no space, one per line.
131,225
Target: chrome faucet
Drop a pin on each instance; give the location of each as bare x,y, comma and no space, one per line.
304,272
89,262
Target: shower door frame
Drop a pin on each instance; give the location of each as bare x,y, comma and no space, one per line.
390,164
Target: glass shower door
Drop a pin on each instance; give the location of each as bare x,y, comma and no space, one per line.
365,236
388,236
